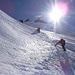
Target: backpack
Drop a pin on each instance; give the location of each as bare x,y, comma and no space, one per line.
63,41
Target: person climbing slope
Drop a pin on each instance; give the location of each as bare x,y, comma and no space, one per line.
38,30
62,41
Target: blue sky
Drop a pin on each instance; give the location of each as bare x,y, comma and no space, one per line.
24,9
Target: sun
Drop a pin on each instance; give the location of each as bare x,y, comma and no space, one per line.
56,14
58,11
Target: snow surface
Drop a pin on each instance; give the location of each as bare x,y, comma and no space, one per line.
25,53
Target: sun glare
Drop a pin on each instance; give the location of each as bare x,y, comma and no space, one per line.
56,14
58,11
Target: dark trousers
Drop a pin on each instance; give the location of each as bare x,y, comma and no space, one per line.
63,46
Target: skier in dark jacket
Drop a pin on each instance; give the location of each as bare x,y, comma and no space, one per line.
38,30
62,41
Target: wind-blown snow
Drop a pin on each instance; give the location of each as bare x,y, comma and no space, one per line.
24,53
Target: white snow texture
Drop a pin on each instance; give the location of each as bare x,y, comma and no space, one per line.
25,53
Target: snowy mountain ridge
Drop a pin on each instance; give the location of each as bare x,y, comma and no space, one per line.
24,53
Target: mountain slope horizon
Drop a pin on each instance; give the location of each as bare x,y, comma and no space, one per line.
24,53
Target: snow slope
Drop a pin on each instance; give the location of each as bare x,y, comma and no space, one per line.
59,28
44,26
24,53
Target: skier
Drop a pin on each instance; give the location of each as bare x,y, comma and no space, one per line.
62,41
38,30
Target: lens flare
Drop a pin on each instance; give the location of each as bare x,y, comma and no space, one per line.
56,14
59,10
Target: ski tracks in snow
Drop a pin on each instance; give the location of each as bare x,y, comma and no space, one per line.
61,56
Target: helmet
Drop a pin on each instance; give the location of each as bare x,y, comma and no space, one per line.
61,39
